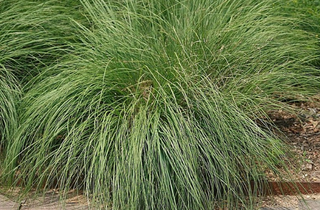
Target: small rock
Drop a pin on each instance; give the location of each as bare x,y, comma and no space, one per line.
315,174
307,167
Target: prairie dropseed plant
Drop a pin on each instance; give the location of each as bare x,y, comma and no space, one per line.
9,94
147,107
33,35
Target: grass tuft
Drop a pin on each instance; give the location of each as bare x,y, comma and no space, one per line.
151,104
9,95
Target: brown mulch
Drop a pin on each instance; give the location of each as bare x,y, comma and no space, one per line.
302,133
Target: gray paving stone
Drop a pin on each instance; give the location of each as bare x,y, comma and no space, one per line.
53,202
49,202
54,206
7,204
278,208
311,205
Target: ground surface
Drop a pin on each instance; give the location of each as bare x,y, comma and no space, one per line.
303,135
48,201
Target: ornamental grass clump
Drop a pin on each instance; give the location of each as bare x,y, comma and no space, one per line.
308,13
9,94
33,35
148,107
